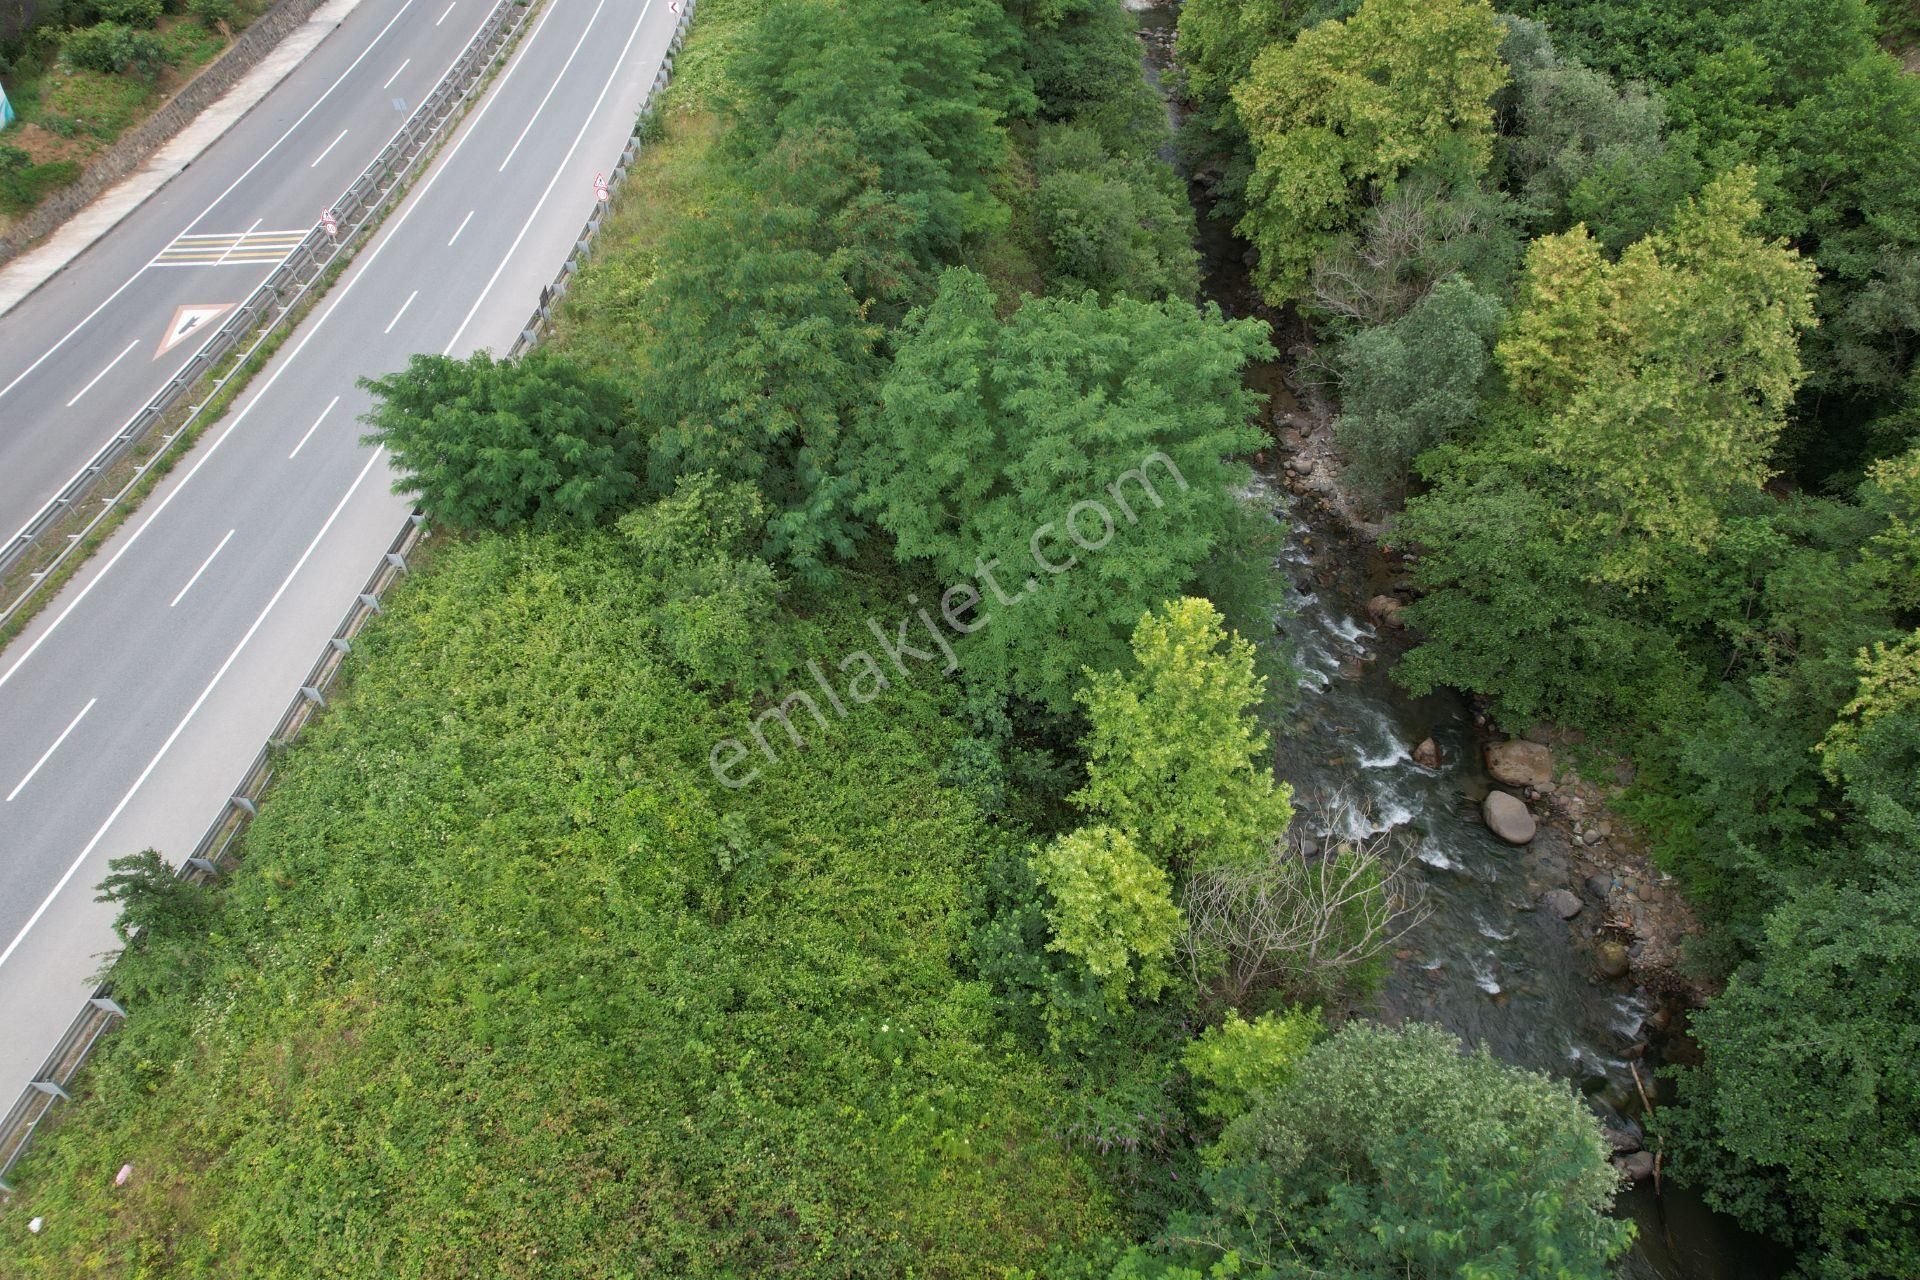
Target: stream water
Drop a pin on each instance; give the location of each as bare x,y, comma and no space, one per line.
1487,963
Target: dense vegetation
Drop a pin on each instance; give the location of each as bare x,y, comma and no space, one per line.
1620,300
80,72
812,815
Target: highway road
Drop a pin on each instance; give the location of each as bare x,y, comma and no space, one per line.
84,352
134,703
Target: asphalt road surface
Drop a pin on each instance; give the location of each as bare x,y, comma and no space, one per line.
130,709
86,351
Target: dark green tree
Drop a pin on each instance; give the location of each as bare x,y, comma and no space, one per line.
488,444
1085,450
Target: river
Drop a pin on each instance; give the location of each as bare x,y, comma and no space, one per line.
1488,962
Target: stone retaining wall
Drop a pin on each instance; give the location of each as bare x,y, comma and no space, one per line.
140,142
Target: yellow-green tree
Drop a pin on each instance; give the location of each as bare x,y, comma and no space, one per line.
1112,910
1175,758
1660,382
1348,108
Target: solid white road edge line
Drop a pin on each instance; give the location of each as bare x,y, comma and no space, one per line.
365,267
564,162
548,97
217,199
194,710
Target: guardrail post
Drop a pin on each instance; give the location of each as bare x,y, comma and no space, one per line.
204,867
107,1004
245,805
313,695
397,560
370,600
51,1089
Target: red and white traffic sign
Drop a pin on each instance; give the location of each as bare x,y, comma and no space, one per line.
329,223
600,188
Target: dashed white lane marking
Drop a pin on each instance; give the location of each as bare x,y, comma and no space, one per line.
330,146
402,311
443,17
396,73
379,455
585,123
103,373
22,375
48,753
233,423
462,227
315,427
202,569
535,113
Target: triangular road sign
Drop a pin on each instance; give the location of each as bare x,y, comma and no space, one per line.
188,319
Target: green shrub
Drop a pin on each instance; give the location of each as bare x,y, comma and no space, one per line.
111,48
24,184
215,13
1238,1063
1393,1154
144,14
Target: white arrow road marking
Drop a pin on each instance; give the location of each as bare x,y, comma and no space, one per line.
233,423
103,373
202,569
187,317
48,753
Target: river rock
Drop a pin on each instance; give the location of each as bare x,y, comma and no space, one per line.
1385,609
1561,902
1520,763
1300,466
1508,818
1610,958
1623,1141
1600,884
1427,754
1638,1166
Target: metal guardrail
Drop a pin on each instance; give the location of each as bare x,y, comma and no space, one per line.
265,309
215,849
551,295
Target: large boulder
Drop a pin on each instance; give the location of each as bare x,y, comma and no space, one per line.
1637,1167
1624,1142
1386,609
1427,754
1561,902
1520,763
1508,818
1611,959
